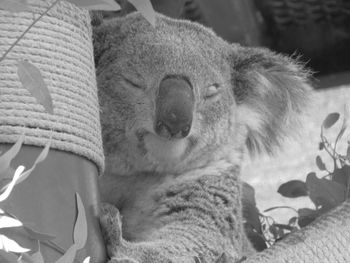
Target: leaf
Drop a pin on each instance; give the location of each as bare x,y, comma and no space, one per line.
106,5
293,188
9,187
32,80
37,235
10,245
69,256
324,192
250,211
321,146
320,164
41,157
146,9
37,257
87,260
8,156
8,257
80,228
330,120
7,221
306,216
342,175
14,5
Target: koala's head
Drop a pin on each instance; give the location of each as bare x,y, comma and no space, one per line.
178,97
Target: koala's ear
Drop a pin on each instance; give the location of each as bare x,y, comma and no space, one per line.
271,92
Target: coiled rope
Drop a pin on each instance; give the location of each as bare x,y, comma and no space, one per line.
59,45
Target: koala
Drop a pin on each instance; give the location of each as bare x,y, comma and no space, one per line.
179,108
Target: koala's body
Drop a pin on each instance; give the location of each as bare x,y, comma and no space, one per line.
179,107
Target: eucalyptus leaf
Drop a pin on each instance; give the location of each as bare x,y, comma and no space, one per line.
10,245
146,9
106,5
31,79
293,189
8,156
324,192
8,189
80,228
330,120
37,257
41,157
320,164
69,256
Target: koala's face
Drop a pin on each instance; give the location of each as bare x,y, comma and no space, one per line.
177,97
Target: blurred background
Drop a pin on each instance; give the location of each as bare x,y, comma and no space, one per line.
316,31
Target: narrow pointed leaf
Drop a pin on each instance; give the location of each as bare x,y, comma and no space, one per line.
37,235
330,120
37,257
146,9
6,221
14,5
87,260
8,156
41,157
9,187
80,228
8,257
10,245
69,256
320,164
106,5
32,80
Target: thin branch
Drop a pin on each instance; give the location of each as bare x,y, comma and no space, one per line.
29,27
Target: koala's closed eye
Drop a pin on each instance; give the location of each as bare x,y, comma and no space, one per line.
212,91
132,83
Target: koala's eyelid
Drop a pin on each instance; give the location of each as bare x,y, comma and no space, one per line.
212,90
132,83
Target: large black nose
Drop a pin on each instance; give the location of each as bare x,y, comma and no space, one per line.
174,108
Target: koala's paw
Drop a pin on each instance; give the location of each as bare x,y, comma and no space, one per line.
111,225
122,251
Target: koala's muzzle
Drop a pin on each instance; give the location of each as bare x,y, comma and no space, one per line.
174,108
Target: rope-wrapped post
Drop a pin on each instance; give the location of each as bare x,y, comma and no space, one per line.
323,241
60,45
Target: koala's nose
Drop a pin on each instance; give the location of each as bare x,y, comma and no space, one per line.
174,108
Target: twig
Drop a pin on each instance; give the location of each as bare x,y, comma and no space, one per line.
29,27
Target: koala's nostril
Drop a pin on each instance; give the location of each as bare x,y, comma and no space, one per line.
170,129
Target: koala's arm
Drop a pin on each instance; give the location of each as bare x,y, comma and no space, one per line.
192,218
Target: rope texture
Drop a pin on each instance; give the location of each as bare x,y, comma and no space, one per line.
60,46
327,240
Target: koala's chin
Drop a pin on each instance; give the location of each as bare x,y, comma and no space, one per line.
164,152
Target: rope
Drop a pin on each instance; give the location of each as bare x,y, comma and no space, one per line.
60,46
325,240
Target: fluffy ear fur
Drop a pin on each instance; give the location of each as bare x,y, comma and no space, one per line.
271,91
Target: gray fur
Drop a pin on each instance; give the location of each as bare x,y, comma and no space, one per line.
180,199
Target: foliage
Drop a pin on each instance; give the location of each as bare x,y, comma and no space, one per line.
326,192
